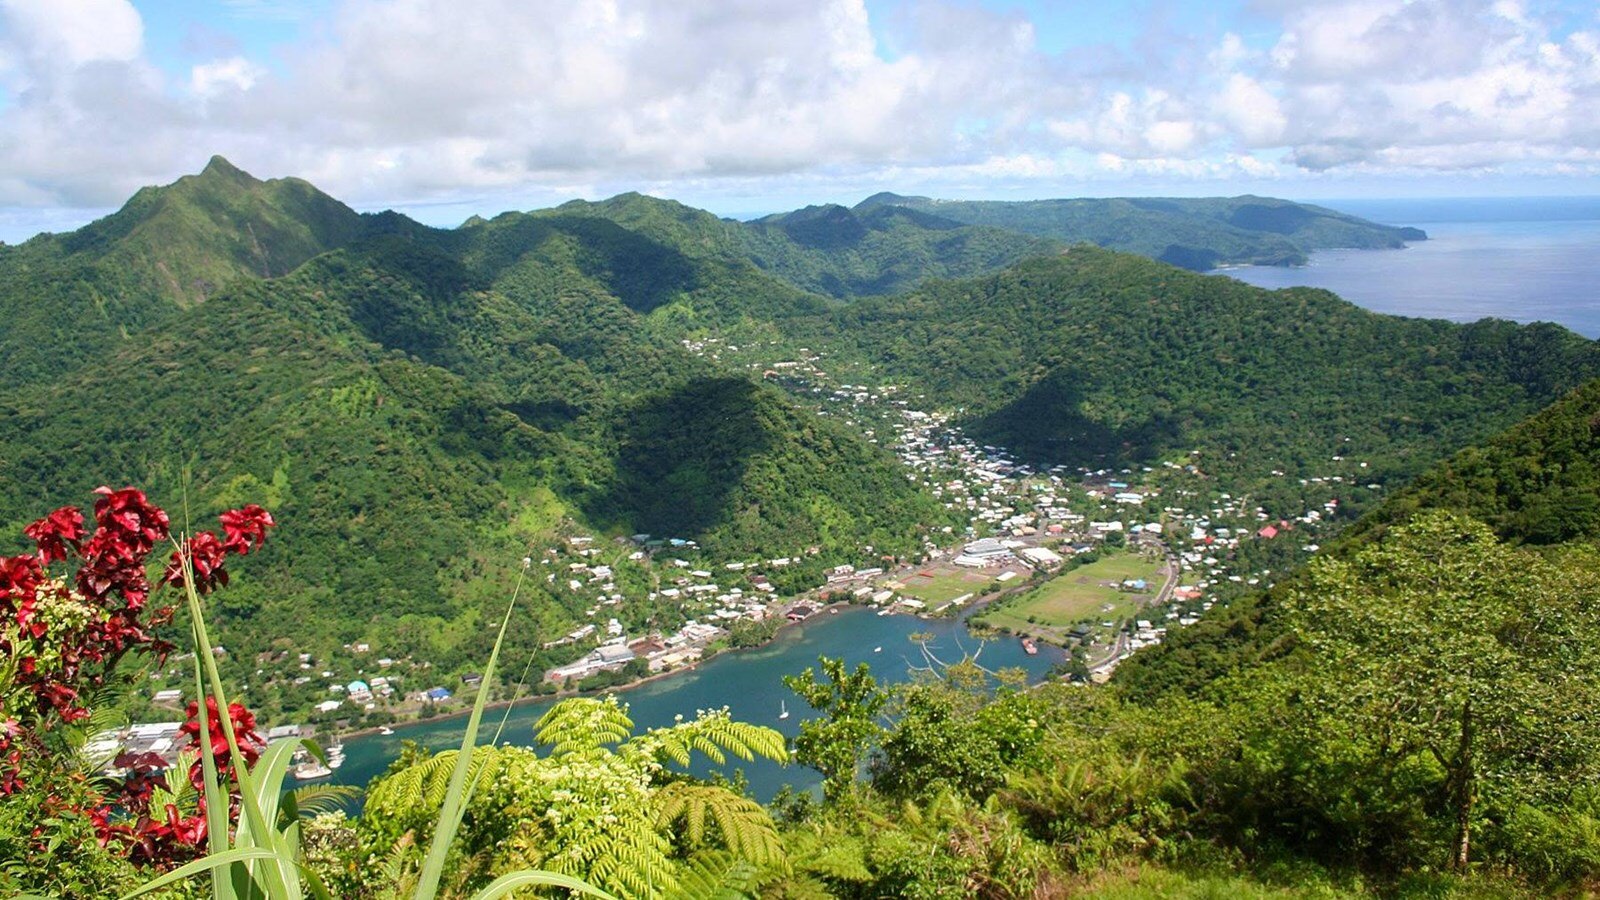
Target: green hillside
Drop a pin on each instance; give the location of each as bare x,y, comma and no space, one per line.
1096,358
1195,233
417,402
68,297
829,250
1536,483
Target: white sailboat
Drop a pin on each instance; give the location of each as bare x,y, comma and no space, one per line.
783,710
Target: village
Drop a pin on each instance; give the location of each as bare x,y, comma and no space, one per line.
1101,562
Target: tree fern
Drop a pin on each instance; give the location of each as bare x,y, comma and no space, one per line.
311,800
715,734
422,787
716,875
743,825
583,726
599,803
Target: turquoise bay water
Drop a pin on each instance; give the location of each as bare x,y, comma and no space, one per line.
1522,259
748,682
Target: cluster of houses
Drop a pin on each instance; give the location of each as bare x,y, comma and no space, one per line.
662,653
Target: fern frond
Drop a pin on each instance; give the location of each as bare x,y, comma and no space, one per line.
399,866
313,800
583,726
743,825
424,785
835,855
716,875
715,734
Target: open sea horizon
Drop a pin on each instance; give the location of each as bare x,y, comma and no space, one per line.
1528,259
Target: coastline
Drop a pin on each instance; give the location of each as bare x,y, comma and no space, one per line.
614,689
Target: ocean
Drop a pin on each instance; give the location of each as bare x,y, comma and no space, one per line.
1524,259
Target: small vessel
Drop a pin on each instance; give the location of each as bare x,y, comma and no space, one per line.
310,770
877,649
386,730
833,611
1029,647
783,710
335,755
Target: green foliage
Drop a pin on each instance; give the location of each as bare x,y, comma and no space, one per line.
1195,233
953,733
1462,653
602,804
837,743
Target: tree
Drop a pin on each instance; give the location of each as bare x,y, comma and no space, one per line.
836,743
1441,644
956,728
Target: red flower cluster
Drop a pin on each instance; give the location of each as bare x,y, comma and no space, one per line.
243,530
110,585
216,741
67,633
166,837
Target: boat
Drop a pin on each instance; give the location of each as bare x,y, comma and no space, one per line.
386,730
1029,647
310,770
783,710
877,649
335,755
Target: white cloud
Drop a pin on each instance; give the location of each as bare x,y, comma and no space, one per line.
418,99
234,73
1251,111
56,33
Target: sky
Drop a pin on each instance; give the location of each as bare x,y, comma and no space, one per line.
448,108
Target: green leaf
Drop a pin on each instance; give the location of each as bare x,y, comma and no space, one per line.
204,864
505,884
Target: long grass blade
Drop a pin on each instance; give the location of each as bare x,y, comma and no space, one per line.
216,807
205,863
505,884
254,830
456,795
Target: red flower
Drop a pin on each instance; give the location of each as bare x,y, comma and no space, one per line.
206,556
190,831
244,731
20,575
133,518
56,532
245,529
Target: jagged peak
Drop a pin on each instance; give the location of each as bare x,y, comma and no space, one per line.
219,167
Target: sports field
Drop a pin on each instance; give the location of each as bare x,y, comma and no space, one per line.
938,585
1091,593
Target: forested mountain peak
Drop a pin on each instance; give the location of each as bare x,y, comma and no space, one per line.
188,238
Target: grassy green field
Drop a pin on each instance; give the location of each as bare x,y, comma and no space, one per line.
944,584
1089,592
